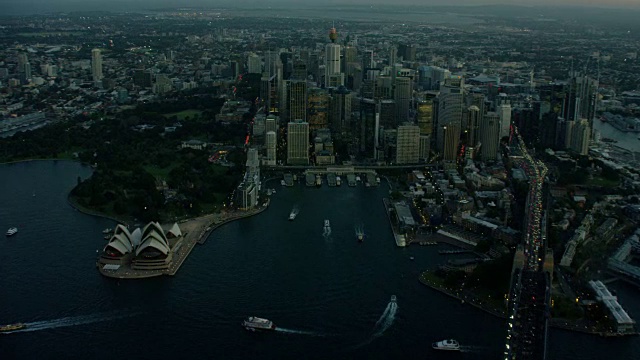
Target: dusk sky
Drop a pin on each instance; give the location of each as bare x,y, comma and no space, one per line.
108,3
26,7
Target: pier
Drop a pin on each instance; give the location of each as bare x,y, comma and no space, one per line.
400,239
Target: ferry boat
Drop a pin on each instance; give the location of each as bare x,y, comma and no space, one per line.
12,231
253,323
450,345
12,327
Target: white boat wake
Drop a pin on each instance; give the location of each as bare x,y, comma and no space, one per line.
386,319
384,322
71,321
300,332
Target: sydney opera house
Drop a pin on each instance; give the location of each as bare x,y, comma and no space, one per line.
147,248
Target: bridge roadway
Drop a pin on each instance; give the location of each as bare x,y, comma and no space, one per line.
530,292
356,168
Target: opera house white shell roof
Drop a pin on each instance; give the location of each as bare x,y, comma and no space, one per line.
151,236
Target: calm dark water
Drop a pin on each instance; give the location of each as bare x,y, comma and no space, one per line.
329,294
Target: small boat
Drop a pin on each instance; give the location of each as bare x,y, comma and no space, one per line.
411,258
327,224
107,230
12,327
283,183
12,231
338,180
107,237
253,323
360,237
451,345
293,214
393,298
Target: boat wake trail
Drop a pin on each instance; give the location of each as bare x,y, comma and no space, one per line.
386,320
300,332
71,321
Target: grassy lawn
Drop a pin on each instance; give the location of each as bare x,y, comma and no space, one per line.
183,114
598,181
158,172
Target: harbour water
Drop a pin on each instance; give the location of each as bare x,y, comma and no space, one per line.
625,140
329,295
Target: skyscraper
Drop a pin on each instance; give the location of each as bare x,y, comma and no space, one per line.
332,73
580,137
254,64
298,143
408,144
425,116
505,119
451,140
474,118
425,147
296,100
272,123
318,108
271,143
393,55
449,109
403,94
489,137
340,110
96,64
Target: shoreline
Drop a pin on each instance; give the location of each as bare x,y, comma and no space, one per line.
557,323
90,212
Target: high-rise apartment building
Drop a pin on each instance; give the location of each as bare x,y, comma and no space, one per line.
96,64
298,143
